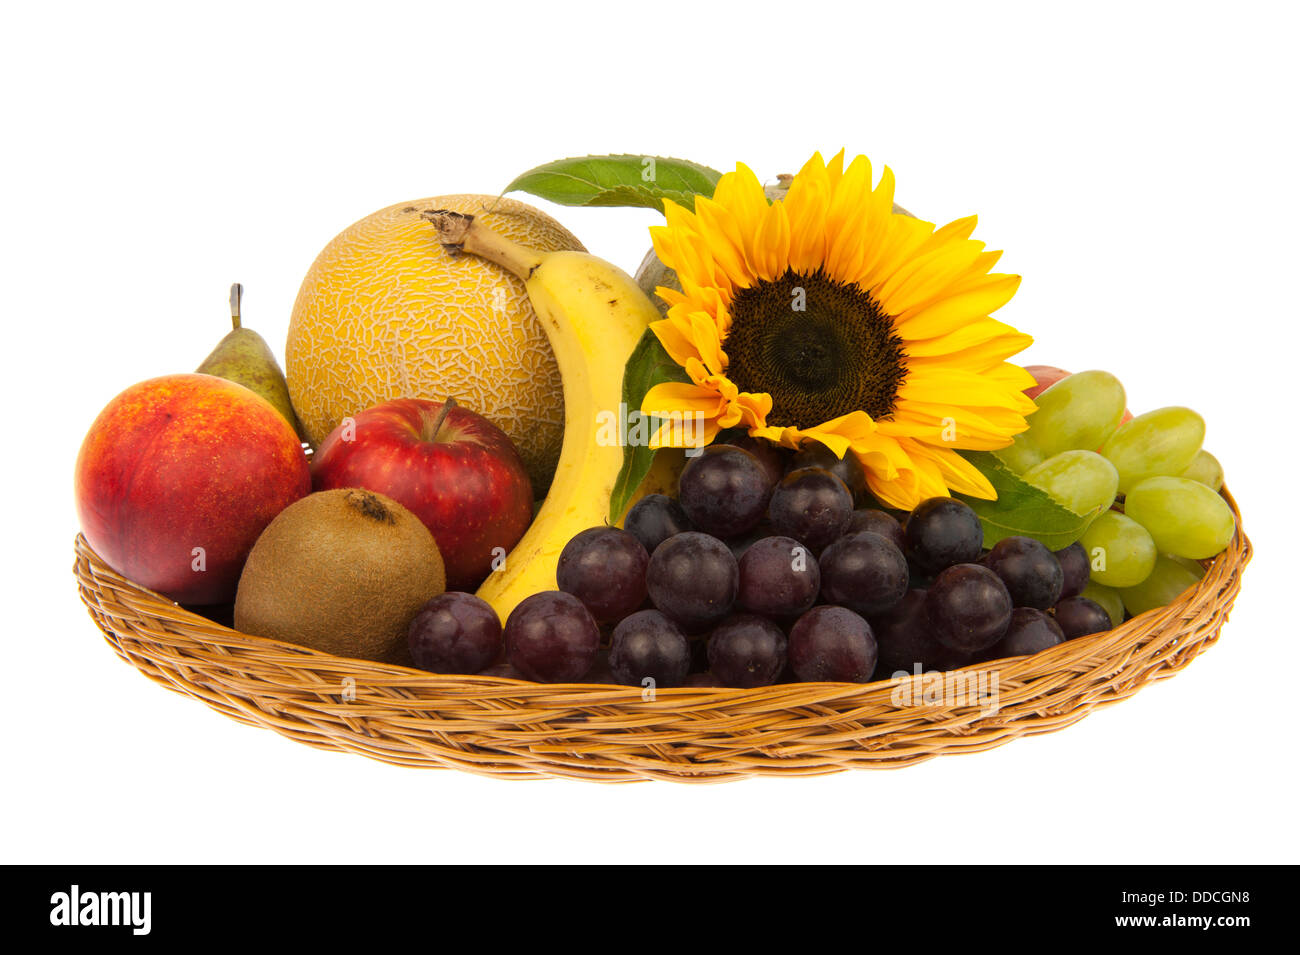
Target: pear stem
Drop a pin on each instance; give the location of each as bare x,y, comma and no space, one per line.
236,295
442,416
464,233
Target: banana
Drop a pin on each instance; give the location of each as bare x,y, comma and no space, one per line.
593,314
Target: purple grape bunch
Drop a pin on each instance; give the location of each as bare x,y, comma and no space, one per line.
760,570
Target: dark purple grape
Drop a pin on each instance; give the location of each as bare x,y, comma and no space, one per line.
504,670
778,578
605,568
1074,567
600,671
864,572
738,545
969,607
649,646
1030,630
917,579
832,644
746,650
943,531
699,646
772,457
552,638
905,640
455,633
1031,572
724,491
702,678
878,522
1080,616
654,519
693,578
848,469
812,506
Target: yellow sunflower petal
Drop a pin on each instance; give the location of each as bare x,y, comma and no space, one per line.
898,244
1013,377
681,247
670,295
741,194
704,334
690,433
846,227
805,203
835,169
976,429
840,433
681,397
836,442
676,342
954,311
957,473
786,437
755,408
958,386
772,255
720,231
880,453
926,276
980,357
955,231
901,492
974,333
929,476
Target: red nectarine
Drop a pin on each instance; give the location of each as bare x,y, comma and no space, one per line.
177,478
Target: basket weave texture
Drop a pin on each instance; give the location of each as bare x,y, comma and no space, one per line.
514,729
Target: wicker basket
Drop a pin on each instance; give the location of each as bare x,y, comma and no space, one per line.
510,728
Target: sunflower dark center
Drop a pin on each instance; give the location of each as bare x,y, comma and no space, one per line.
820,348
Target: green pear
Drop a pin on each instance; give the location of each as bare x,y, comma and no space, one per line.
244,357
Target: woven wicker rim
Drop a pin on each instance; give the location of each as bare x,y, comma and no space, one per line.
510,728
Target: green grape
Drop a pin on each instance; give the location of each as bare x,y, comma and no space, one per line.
1077,413
1183,517
1083,481
1163,441
1166,581
1109,598
1120,551
1205,469
1194,566
1021,454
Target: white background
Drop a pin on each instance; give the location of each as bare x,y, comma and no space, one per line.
1136,162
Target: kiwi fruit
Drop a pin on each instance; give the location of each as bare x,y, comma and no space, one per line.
340,571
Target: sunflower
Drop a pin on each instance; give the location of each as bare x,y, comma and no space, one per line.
826,316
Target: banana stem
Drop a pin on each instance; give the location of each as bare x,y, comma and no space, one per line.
464,233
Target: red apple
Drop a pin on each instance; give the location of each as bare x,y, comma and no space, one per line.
1045,376
452,468
178,477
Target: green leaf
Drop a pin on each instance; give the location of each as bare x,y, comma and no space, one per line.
640,181
648,366
1022,509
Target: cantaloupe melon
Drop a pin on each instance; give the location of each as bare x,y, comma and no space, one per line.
386,312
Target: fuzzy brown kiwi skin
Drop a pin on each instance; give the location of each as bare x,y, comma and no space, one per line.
343,572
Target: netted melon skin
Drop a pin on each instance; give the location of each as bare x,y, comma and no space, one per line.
385,312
